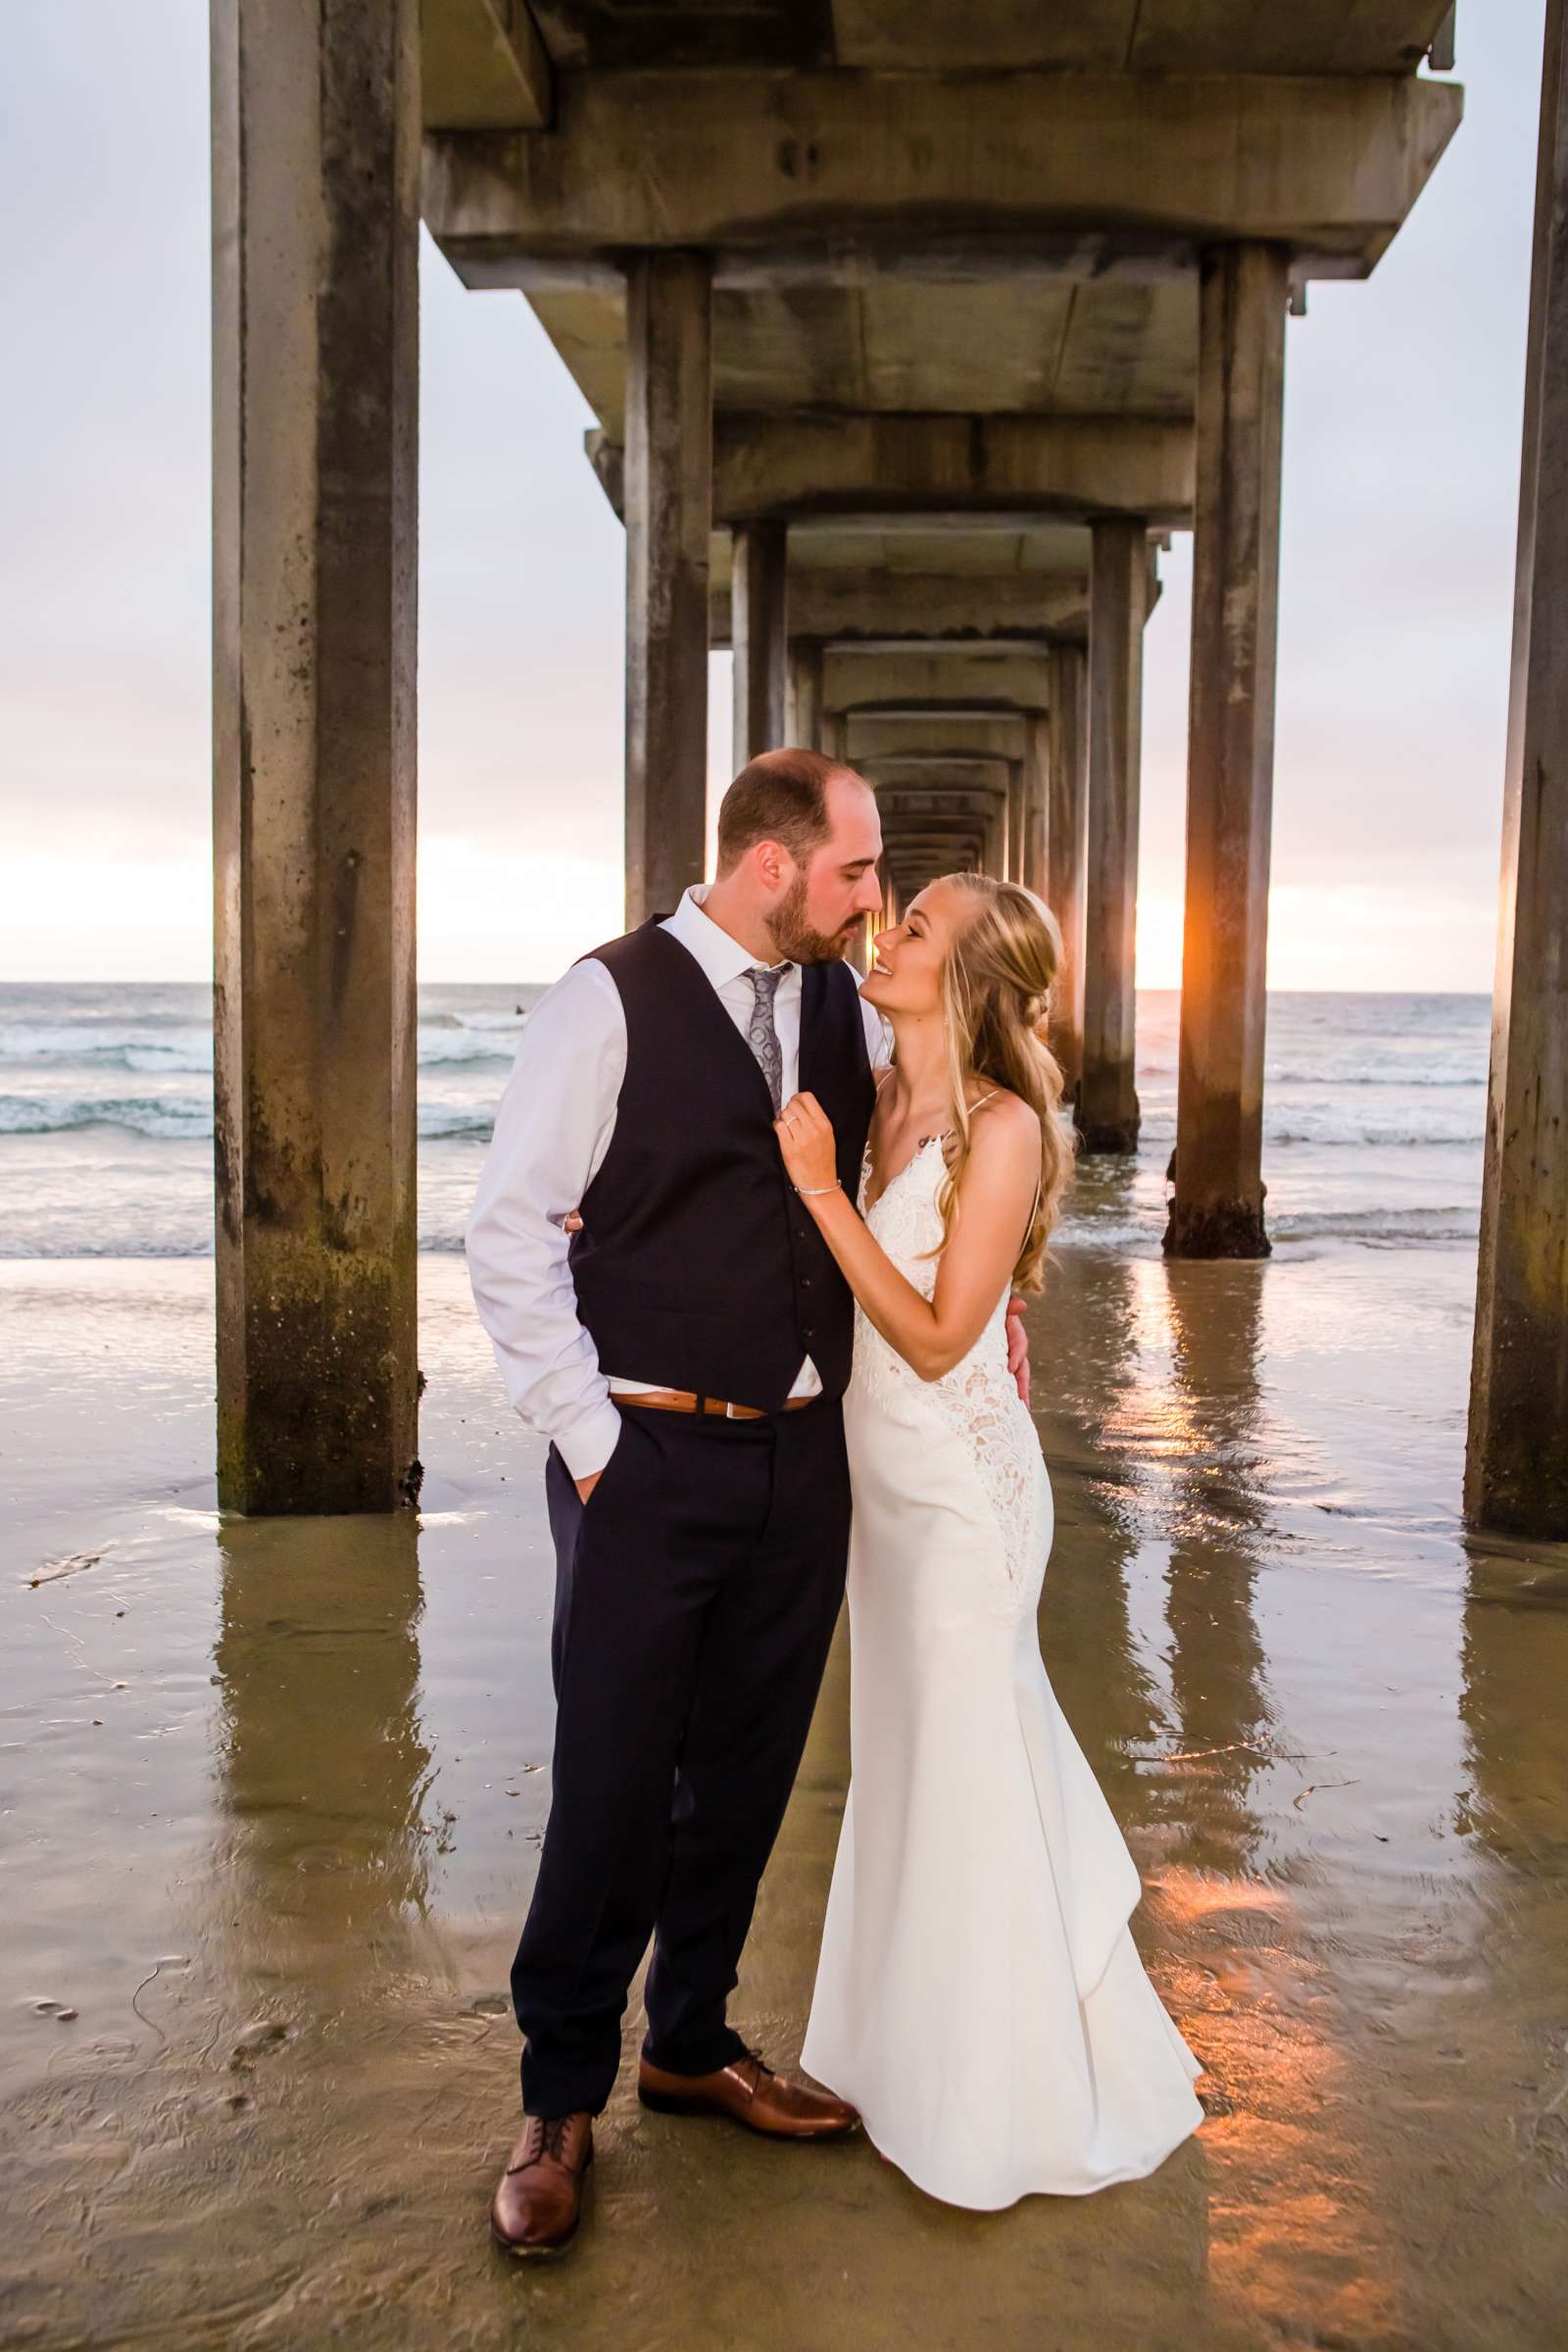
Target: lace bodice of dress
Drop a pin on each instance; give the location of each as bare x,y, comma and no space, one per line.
977,1400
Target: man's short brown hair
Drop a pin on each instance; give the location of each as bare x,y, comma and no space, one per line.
782,797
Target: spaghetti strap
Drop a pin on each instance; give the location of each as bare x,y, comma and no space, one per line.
947,1133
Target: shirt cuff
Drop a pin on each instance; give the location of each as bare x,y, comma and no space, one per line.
589,1443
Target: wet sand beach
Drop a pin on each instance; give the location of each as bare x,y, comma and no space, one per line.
273,1793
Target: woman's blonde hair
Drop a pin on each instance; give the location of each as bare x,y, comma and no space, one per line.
995,985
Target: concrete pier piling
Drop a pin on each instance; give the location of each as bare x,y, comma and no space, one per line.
1217,1210
804,724
1516,1467
1034,868
1105,1108
760,637
1068,847
670,463
1017,818
316,156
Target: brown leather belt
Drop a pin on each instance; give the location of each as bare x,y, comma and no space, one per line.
682,1400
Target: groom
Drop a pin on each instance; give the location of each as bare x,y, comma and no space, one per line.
685,1353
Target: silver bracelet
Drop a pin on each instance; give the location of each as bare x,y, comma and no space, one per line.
814,1192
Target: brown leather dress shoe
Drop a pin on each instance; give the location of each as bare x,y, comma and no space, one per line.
538,2202
750,2094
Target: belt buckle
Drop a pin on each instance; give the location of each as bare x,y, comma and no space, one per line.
730,1413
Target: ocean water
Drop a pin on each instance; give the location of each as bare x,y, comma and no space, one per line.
1374,1115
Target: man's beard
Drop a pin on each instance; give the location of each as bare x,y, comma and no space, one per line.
793,935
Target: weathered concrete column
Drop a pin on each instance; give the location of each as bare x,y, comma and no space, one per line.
858,954
1067,848
760,634
1219,1207
315,217
1106,1105
833,729
805,723
669,467
994,856
1016,820
1033,871
1516,1468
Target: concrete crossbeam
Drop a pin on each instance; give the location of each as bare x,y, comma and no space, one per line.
738,163
923,855
913,763
940,803
980,736
1069,466
844,606
867,678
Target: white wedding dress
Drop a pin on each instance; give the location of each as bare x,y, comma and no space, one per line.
979,1997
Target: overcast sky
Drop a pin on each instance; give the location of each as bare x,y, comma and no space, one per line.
1401,457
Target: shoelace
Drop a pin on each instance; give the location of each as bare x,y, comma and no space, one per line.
550,2140
763,2069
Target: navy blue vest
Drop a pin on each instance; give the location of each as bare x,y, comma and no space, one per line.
698,1267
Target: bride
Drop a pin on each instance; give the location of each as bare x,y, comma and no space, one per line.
979,1997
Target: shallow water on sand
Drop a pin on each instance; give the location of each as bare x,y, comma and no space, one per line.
1373,1114
273,1793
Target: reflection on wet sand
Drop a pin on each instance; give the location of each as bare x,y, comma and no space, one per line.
280,1786
1214,1450
321,1855
1513,1806
1102,1671
1184,1411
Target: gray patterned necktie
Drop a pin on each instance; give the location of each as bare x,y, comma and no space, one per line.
761,1034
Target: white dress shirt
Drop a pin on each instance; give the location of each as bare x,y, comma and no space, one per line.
553,1128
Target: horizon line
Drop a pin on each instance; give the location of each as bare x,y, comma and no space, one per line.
432,980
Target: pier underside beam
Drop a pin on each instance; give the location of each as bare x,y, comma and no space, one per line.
668,504
1067,466
874,678
1516,1470
845,604
316,159
1219,1207
961,733
833,180
1107,1104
